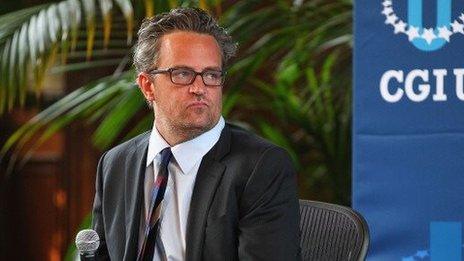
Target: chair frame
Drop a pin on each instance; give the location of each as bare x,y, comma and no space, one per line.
356,218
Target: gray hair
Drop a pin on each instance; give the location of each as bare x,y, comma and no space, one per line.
146,50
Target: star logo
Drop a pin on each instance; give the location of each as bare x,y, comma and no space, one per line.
391,19
387,11
413,32
400,27
444,33
428,35
457,27
426,39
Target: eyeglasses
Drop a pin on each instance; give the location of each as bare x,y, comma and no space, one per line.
186,76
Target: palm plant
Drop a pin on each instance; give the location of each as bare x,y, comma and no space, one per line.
306,105
295,59
313,123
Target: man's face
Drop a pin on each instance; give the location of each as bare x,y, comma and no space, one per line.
193,108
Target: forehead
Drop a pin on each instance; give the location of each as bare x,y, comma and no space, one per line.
190,49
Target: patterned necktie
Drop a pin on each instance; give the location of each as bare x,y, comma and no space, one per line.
148,246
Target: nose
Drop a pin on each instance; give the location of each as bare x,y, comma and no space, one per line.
198,87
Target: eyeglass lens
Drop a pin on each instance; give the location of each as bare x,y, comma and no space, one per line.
187,76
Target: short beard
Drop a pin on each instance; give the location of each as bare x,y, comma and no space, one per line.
187,132
182,132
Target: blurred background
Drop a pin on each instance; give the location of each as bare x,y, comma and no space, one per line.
67,94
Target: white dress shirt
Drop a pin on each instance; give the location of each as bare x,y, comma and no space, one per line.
183,168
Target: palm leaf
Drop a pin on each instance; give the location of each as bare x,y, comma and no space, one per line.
127,10
127,106
78,105
105,7
30,39
308,97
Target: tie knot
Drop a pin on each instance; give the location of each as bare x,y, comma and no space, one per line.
166,155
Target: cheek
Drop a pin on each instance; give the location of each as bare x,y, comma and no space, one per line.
167,99
217,99
172,104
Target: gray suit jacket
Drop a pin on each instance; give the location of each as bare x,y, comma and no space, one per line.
244,204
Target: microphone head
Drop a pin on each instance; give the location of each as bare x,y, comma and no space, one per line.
87,241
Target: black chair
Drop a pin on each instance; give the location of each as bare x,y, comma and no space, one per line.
332,232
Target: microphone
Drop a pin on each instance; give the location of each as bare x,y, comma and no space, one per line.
87,242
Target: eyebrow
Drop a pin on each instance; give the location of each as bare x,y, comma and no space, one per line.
190,68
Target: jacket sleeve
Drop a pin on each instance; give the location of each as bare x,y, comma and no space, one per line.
97,216
269,219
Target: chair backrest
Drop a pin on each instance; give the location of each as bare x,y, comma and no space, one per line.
332,232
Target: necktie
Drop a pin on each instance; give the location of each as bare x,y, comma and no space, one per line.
148,246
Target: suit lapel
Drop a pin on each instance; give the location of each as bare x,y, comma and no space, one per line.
134,178
207,180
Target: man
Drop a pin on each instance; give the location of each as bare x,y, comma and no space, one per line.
195,187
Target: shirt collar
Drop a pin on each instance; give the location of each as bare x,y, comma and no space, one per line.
188,153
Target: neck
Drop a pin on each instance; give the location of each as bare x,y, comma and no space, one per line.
175,138
175,135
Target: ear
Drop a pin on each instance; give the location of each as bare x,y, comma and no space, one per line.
146,86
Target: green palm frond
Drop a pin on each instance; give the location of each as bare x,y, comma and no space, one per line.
31,38
307,96
103,98
271,32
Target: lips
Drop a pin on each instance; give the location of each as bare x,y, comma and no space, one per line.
198,104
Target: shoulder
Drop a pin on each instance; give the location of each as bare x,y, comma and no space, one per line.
251,144
120,151
253,149
258,168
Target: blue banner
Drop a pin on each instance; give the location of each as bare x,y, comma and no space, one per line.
408,133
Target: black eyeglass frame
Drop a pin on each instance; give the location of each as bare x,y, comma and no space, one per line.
170,70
